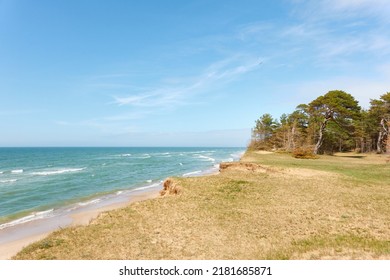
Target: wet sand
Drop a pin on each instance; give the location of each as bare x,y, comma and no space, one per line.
15,238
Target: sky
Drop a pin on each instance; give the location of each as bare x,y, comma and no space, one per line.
179,73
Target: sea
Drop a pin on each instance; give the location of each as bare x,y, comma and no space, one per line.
37,183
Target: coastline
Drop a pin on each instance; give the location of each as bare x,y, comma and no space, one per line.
231,215
15,237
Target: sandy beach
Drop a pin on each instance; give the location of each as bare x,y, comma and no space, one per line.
15,238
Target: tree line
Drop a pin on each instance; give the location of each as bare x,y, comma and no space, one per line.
333,122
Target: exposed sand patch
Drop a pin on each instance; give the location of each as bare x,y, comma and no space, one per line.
263,152
260,168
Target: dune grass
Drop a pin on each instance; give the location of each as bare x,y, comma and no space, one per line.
275,207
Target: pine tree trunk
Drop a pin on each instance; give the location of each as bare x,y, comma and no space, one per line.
328,116
379,143
321,136
293,137
387,139
381,137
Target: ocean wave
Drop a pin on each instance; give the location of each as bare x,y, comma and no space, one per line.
8,181
143,157
192,173
29,218
56,172
199,152
206,158
125,155
148,186
17,171
94,201
238,155
161,154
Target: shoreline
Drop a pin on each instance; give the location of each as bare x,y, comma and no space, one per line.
14,238
223,216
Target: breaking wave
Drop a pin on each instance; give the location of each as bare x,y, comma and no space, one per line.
56,172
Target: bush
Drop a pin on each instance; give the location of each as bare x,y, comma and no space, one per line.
304,153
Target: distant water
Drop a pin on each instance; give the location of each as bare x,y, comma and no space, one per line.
36,182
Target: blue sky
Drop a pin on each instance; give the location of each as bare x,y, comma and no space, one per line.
179,73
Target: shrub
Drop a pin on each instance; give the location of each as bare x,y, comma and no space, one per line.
304,153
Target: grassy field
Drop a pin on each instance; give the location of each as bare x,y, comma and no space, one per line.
268,206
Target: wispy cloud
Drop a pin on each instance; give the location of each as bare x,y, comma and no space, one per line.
332,32
342,10
358,7
220,72
330,37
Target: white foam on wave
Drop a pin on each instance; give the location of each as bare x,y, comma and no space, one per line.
206,158
238,155
148,181
56,172
17,171
8,181
162,154
192,173
29,218
144,156
1,172
148,186
94,201
125,155
43,213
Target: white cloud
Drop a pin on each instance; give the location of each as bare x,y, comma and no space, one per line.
362,6
342,10
220,72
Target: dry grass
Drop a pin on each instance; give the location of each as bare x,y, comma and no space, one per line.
270,206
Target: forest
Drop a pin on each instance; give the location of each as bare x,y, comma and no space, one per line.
333,122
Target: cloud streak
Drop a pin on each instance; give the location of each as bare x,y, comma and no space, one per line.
220,72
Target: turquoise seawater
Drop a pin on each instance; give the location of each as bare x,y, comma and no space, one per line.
37,181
